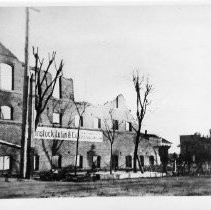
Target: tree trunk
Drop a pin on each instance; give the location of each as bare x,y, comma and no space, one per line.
76,158
135,154
111,159
28,153
140,166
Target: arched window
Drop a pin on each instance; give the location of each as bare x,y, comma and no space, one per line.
5,113
6,76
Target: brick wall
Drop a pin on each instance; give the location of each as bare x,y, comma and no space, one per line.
122,147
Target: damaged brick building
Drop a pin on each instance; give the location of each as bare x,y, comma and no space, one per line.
54,144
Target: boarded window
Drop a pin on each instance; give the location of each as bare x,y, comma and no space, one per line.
4,163
6,76
6,113
129,161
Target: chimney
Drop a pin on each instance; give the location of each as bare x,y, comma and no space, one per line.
145,132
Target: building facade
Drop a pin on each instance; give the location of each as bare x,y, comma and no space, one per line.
54,145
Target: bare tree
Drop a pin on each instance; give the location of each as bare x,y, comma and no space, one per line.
143,89
110,132
43,88
80,109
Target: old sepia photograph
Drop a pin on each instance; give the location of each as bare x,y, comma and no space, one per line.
105,100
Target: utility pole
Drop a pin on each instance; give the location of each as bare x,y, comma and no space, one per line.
25,100
27,113
30,132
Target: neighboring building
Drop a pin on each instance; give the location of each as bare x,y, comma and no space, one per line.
54,145
195,148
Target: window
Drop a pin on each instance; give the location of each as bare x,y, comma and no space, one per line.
4,163
151,160
142,160
57,118
128,126
36,162
115,125
77,121
79,161
81,121
115,162
57,89
6,76
117,103
6,113
60,161
129,161
96,162
97,123
56,161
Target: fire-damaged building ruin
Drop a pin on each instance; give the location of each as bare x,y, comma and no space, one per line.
54,142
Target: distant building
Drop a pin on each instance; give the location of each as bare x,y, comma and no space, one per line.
196,149
54,143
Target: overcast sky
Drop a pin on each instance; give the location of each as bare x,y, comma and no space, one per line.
102,46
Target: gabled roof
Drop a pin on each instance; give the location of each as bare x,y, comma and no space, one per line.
147,136
166,141
6,52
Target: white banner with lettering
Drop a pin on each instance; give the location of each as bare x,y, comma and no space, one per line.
68,134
